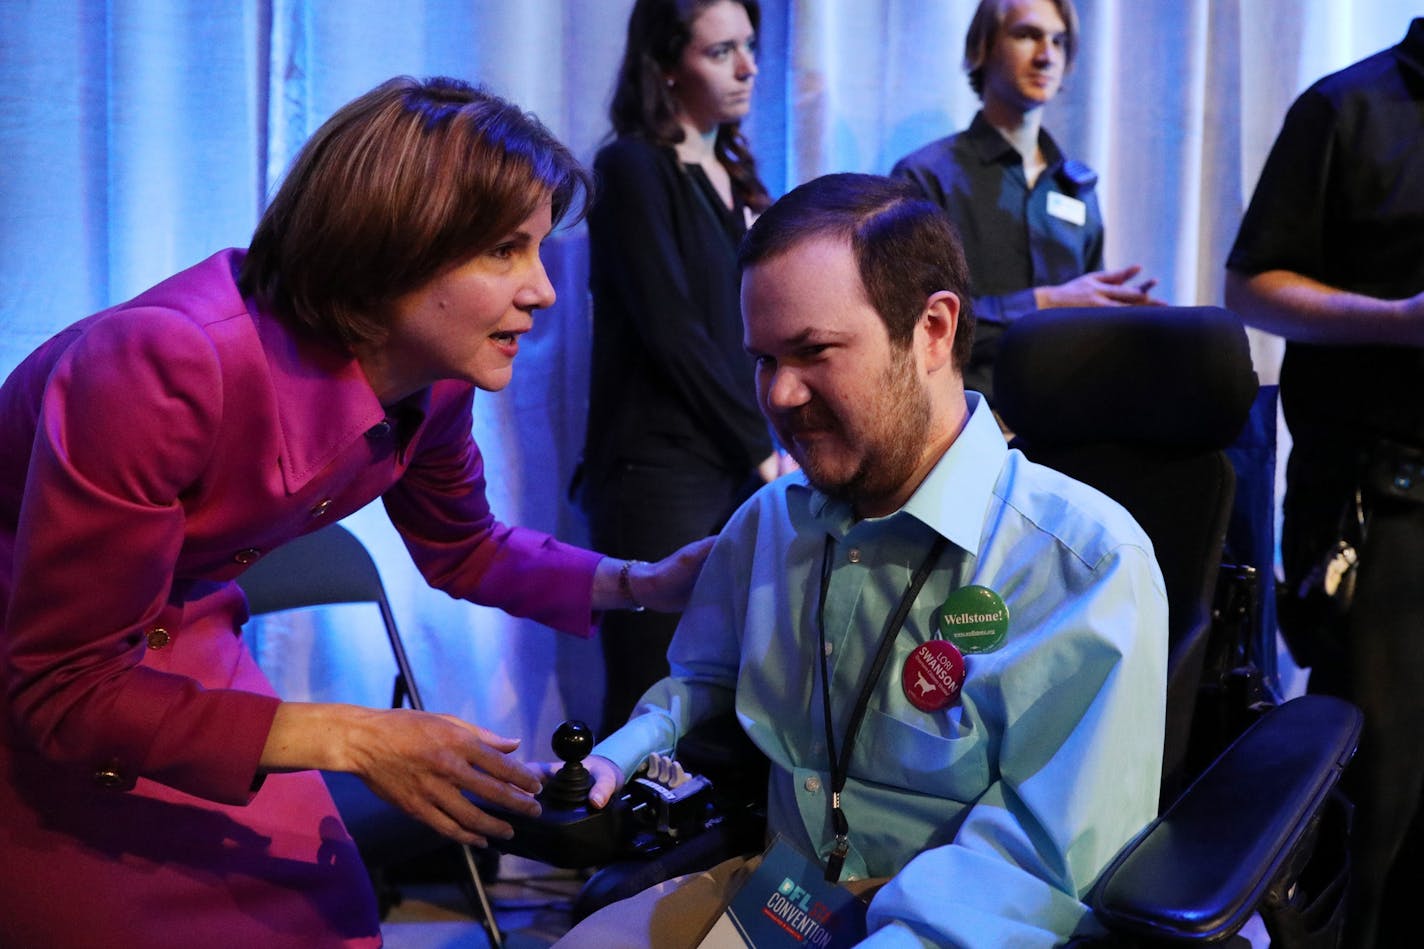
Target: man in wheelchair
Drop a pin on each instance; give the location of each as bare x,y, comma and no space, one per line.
953,658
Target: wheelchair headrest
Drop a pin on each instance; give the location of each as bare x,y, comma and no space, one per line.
1160,376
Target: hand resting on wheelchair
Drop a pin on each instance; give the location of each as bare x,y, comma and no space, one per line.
592,819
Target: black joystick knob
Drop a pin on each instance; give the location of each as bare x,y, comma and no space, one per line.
572,741
569,786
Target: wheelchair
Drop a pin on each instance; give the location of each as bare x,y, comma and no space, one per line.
1144,404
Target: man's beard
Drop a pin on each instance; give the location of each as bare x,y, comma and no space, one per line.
891,443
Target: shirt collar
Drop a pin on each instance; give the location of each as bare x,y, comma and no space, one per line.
322,396
1411,50
954,497
992,148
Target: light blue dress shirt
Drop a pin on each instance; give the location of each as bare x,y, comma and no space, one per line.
995,816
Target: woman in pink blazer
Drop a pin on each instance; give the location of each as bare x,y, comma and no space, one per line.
153,790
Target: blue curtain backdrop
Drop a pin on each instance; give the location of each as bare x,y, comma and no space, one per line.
139,136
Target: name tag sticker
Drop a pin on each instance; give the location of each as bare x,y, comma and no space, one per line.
1067,209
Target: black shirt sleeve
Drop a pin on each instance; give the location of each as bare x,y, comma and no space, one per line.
1285,222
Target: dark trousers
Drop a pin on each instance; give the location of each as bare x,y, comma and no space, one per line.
1375,658
645,512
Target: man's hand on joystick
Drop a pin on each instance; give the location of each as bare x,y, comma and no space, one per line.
580,778
569,786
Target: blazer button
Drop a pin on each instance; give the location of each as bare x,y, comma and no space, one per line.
109,776
813,784
320,507
158,638
247,556
380,430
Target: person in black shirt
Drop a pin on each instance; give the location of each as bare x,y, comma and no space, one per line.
1027,215
1330,255
675,439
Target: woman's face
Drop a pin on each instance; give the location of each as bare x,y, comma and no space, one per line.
465,323
712,82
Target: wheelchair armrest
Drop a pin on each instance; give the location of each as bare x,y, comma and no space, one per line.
1199,870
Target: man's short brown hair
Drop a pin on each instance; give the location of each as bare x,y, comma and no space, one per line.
905,247
400,184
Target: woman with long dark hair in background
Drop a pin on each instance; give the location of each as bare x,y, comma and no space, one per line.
675,440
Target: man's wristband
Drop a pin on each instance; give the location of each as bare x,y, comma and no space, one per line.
625,587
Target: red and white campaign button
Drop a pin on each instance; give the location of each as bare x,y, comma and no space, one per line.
933,675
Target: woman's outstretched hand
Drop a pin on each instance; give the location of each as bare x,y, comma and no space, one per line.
420,762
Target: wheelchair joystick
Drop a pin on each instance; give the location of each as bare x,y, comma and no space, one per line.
569,787
642,818
569,833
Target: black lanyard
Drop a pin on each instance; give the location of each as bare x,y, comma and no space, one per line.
840,765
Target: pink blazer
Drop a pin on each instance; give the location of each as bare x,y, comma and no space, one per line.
151,452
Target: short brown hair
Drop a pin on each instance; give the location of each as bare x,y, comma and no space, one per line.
400,184
905,247
984,32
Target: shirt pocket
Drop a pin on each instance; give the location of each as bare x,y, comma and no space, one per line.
951,761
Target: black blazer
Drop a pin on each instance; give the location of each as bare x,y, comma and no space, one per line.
671,383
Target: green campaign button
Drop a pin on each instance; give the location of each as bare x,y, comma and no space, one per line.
974,618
